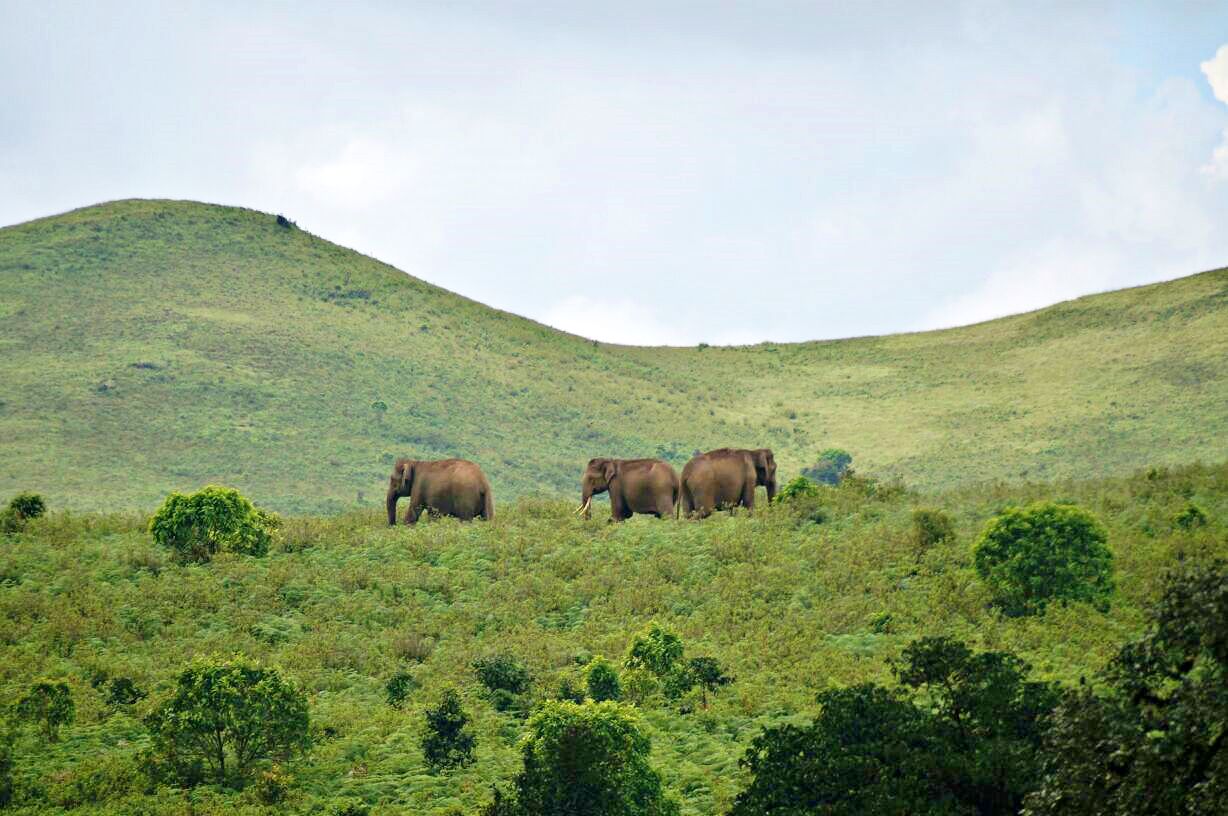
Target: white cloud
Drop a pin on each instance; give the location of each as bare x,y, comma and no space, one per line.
1033,280
365,172
1216,70
612,321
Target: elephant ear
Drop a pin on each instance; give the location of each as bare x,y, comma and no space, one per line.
407,475
609,470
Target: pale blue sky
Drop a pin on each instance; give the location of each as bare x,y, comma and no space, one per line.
648,172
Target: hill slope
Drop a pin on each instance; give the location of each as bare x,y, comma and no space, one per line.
150,345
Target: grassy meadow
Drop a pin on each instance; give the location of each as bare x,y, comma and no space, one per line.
147,346
794,600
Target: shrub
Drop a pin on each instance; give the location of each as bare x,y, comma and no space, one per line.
412,646
830,469
1190,517
601,678
589,758
272,785
656,649
1033,555
7,766
1154,744
49,705
502,673
28,506
931,527
568,689
399,687
797,488
349,807
212,519
447,743
227,712
123,692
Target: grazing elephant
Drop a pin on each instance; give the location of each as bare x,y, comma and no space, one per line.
447,487
636,486
726,477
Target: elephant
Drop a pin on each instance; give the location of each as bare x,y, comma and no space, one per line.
647,486
726,477
446,487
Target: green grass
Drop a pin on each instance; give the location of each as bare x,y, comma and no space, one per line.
790,607
147,346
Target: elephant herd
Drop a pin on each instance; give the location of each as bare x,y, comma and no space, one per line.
725,477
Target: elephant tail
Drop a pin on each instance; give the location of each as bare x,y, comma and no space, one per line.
688,501
488,504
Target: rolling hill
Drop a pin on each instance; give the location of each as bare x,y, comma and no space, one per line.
155,345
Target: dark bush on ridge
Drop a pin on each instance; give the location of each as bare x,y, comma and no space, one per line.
1044,552
931,527
830,469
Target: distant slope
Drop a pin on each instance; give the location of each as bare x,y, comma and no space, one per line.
152,345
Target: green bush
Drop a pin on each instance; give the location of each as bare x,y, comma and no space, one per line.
399,687
198,525
931,527
505,679
656,649
601,678
7,766
49,705
1032,555
349,807
28,505
1190,517
224,716
272,785
589,758
123,692
797,488
447,743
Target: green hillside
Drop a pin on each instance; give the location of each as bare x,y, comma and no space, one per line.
151,345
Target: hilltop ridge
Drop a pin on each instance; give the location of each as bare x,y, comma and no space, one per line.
160,344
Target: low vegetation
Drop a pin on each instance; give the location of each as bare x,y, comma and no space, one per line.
394,669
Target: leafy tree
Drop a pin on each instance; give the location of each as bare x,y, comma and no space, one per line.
448,743
1032,555
505,679
1155,742
212,519
961,736
709,675
569,689
49,705
830,469
589,758
931,527
399,687
224,716
601,678
7,765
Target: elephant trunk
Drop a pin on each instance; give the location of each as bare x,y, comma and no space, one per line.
771,490
392,508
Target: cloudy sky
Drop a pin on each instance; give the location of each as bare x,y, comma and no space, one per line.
653,172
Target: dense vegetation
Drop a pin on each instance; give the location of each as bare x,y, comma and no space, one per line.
424,654
150,346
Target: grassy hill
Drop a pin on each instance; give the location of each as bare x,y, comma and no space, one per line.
151,345
789,606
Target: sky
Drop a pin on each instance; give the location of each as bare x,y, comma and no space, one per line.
658,172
